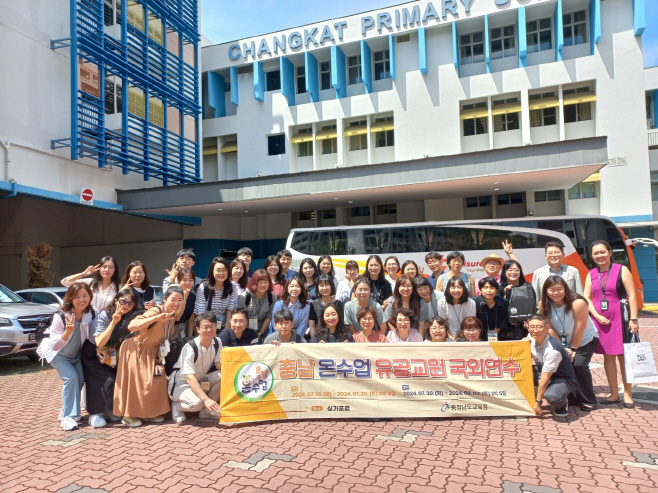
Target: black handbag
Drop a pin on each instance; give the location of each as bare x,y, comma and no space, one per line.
521,304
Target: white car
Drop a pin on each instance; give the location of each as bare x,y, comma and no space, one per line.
45,296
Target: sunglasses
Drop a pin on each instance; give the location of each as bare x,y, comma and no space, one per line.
123,302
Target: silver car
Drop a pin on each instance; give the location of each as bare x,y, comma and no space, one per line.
45,296
19,320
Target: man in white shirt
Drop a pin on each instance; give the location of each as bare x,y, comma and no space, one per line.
194,384
555,378
554,253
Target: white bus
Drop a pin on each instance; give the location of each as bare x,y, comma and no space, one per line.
475,239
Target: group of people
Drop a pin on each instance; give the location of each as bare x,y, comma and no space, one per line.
111,336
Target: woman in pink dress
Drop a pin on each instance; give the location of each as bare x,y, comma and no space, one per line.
606,285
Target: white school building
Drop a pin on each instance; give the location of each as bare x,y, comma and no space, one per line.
443,110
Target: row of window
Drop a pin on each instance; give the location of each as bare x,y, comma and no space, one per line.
381,210
539,37
579,191
137,19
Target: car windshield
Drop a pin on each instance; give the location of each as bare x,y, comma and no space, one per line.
8,296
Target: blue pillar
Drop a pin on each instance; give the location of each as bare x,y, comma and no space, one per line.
217,93
287,80
74,79
559,31
391,54
259,82
594,24
523,40
124,93
422,51
311,76
639,19
487,44
235,95
455,47
338,75
366,66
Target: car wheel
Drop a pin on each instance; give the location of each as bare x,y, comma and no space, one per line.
33,356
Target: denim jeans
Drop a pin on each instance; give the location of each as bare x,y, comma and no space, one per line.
70,371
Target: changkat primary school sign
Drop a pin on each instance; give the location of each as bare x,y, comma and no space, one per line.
396,20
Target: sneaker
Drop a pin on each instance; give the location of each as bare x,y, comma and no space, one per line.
112,417
562,412
69,424
131,422
97,421
77,418
156,419
206,414
177,413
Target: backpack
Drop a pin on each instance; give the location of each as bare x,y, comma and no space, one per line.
40,332
521,303
176,348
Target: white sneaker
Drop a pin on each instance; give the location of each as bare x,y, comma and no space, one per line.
206,414
177,413
75,418
97,421
69,424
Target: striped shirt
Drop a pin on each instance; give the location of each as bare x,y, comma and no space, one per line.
219,304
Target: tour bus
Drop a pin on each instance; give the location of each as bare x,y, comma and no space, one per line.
475,239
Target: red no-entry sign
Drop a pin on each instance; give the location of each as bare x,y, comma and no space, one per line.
87,196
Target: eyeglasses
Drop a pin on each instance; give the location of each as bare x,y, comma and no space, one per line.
470,329
123,302
536,327
367,319
404,321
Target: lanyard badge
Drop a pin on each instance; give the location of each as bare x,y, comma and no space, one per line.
205,384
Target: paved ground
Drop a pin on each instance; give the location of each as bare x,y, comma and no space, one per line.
612,449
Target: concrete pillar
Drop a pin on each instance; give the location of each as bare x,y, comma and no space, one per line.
340,144
490,123
342,216
560,116
525,118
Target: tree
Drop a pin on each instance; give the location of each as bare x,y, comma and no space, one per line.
37,259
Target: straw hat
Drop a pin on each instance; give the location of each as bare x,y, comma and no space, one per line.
493,257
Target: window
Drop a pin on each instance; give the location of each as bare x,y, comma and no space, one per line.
329,146
503,42
508,121
481,201
543,117
354,70
329,214
156,112
550,196
538,37
305,149
472,48
113,98
276,144
384,139
358,142
301,80
510,198
136,15
475,126
156,30
583,191
306,216
383,210
360,211
112,12
325,76
382,65
574,28
403,38
577,112
273,80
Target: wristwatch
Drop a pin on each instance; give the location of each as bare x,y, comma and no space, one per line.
539,401
574,349
634,320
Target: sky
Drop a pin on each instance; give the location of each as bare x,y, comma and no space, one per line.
228,20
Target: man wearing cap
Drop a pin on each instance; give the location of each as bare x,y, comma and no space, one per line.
554,253
493,264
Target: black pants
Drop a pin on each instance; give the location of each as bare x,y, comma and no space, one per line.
585,391
99,378
557,392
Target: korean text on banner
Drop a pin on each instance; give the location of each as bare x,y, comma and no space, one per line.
309,381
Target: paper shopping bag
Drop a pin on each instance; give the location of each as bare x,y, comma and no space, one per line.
638,361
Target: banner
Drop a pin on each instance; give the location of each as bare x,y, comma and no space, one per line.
412,380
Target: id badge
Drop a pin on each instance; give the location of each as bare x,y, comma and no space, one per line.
205,384
563,340
113,357
492,336
253,323
604,305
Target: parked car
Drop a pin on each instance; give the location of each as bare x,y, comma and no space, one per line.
19,320
45,296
